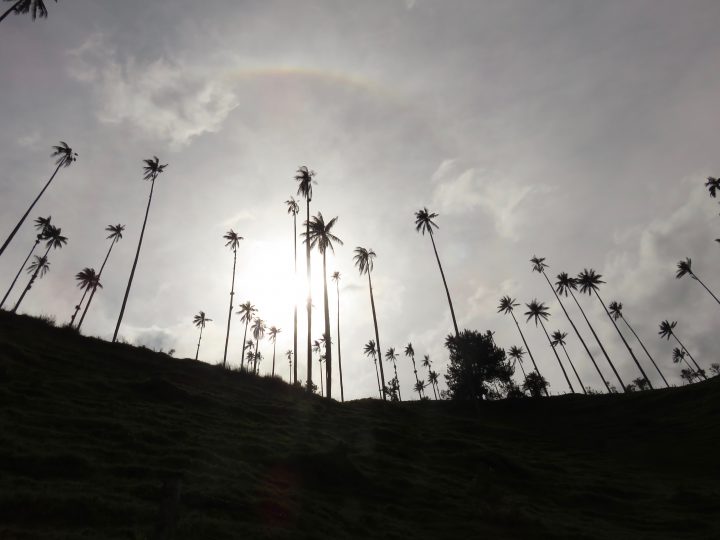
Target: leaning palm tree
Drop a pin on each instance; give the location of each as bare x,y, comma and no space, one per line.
565,285
87,280
293,208
200,320
319,234
685,268
53,240
258,332
65,157
507,305
41,225
539,312
426,362
434,378
35,7
364,260
616,311
304,177
152,170
678,355
371,351
114,237
517,353
667,330
391,356
558,338
539,266
272,336
590,282
336,278
247,313
233,241
424,223
410,353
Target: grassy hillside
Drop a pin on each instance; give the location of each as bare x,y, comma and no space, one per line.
111,441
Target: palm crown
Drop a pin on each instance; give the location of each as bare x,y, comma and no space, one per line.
538,264
115,231
516,352
558,338
293,207
426,361
247,312
233,239
152,168
364,259
589,281
273,332
64,154
320,235
37,7
678,355
507,305
369,349
335,276
40,265
615,309
536,310
54,237
409,351
713,185
42,224
684,267
666,328
87,278
565,283
258,329
391,355
424,221
200,320
304,176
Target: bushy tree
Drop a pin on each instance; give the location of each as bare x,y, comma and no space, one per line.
536,385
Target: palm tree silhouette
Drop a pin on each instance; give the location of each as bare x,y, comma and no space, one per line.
517,353
247,313
565,285
293,208
370,350
428,364
685,268
152,170
539,312
272,335
114,237
616,311
679,355
507,305
424,223
391,356
336,278
41,225
249,355
53,240
419,387
364,260
290,354
558,338
433,377
590,282
667,329
65,157
319,234
539,266
304,177
713,185
410,352
87,279
200,320
317,347
233,241
36,7
258,332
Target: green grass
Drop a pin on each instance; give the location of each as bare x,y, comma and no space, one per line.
111,441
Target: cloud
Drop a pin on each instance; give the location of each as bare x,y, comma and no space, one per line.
164,99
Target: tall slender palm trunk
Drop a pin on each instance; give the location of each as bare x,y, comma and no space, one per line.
646,351
377,338
527,349
700,371
322,385
705,287
377,374
572,390
295,318
417,379
342,389
242,354
627,345
17,276
328,340
197,351
134,266
10,10
273,366
574,370
397,380
34,277
79,305
32,205
522,369
96,285
447,291
309,297
612,366
577,333
232,295
255,356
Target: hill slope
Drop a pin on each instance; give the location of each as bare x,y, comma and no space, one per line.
111,441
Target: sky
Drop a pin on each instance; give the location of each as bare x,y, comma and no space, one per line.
574,130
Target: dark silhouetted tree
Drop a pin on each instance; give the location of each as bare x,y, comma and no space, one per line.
293,208
391,356
434,379
233,241
258,332
318,348
539,312
336,279
517,353
410,353
41,225
19,7
667,330
685,268
427,363
713,185
87,280
304,177
290,355
272,336
200,320
247,313
536,385
558,338
371,351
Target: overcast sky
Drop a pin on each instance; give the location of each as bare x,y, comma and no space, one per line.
579,131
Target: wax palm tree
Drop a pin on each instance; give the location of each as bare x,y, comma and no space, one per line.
424,223
200,320
427,363
233,242
539,312
539,266
35,7
364,260
247,313
667,330
713,185
507,305
152,170
41,225
53,240
304,177
517,353
115,236
558,338
590,282
685,268
565,285
419,388
317,348
410,353
64,158
319,234
678,355
248,354
87,280
434,377
371,351
293,208
258,332
616,311
391,356
336,278
272,335
290,354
